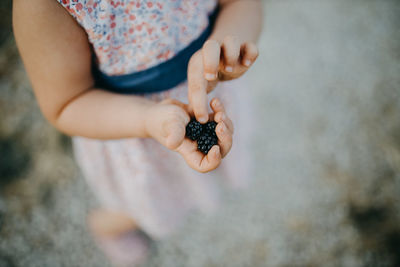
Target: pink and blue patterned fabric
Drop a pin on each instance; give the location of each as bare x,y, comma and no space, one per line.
129,36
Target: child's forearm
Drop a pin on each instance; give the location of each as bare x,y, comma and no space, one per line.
103,115
240,18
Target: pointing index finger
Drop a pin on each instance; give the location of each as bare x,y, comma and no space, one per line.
197,88
211,52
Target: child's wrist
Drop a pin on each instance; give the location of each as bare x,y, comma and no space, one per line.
147,118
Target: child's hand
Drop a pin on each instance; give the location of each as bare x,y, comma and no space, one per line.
166,122
216,62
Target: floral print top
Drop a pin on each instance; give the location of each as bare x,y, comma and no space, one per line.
133,35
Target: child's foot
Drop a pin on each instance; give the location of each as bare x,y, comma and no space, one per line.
129,249
119,238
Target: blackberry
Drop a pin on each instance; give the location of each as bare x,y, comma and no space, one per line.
204,134
209,128
194,129
206,142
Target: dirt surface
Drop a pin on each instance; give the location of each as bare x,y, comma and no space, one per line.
327,185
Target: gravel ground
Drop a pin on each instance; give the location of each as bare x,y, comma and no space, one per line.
327,186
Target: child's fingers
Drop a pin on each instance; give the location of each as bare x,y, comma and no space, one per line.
176,102
197,88
224,138
211,55
248,53
198,100
186,107
216,105
188,150
220,114
231,52
222,117
196,160
212,160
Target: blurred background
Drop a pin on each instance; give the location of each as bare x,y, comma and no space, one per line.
327,185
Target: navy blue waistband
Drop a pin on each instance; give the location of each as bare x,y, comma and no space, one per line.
158,78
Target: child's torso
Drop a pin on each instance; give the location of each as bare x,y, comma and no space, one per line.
129,36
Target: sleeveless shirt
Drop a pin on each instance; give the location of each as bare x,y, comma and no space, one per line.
129,36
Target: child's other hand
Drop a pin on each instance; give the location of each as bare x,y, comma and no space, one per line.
166,122
216,62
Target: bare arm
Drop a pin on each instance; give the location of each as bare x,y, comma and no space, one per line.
240,18
57,57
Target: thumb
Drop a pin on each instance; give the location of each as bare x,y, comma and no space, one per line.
175,134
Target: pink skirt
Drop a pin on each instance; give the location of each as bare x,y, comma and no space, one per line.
154,185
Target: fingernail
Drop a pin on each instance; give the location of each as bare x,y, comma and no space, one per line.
228,69
202,120
210,76
247,63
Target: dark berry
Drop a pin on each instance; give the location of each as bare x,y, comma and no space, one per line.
206,142
204,134
209,128
194,129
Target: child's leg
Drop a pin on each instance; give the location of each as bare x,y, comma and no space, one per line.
110,224
119,237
